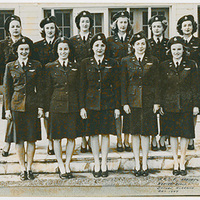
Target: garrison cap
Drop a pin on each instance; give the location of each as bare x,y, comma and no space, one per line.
138,36
98,36
175,40
47,20
120,14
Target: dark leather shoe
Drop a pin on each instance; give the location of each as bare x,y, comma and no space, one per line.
183,172
69,175
191,146
83,150
4,153
175,172
127,148
23,176
96,174
163,148
154,148
50,152
63,176
120,148
145,172
30,175
105,174
137,173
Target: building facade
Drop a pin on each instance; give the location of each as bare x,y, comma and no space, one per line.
32,13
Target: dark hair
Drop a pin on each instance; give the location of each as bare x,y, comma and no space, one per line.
179,26
114,26
57,33
63,40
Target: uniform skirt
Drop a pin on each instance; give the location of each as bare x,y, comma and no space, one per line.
178,124
100,122
26,126
64,125
141,121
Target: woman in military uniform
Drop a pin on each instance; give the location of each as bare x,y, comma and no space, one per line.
118,48
140,98
186,26
81,46
63,102
43,50
158,43
179,100
23,102
13,30
99,100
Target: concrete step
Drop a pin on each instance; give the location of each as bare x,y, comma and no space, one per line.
84,162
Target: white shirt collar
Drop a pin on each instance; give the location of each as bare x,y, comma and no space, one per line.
50,40
84,35
98,58
139,56
177,61
23,61
156,38
124,36
62,61
188,39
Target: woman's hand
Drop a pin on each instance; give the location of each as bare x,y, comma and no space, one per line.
156,107
40,113
195,111
117,113
83,113
46,115
127,109
8,115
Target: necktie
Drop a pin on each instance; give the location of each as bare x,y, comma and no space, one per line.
139,59
84,39
99,62
158,40
64,67
23,66
50,43
177,65
122,39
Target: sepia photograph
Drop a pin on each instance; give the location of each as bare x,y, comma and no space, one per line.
99,98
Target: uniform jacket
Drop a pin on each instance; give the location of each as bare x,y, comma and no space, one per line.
116,49
43,52
100,85
6,55
81,49
62,87
179,86
159,50
22,87
194,46
140,81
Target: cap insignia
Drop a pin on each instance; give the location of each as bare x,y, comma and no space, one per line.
84,13
122,13
156,18
138,36
23,40
99,37
62,39
175,39
185,17
48,19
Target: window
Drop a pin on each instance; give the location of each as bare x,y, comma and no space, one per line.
3,15
198,28
98,18
63,20
140,18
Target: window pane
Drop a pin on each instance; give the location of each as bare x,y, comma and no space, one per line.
161,13
98,29
47,13
67,19
145,18
153,13
98,19
145,28
58,18
1,34
1,20
67,32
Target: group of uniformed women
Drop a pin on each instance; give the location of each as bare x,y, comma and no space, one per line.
83,85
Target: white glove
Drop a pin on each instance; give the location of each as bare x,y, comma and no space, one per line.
40,113
127,109
156,107
83,113
117,113
8,115
195,111
46,115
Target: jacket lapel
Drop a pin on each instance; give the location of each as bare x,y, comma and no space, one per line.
18,67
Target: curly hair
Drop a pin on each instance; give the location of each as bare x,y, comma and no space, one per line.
57,33
114,26
179,27
186,52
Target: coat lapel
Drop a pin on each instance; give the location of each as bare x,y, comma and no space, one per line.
18,67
